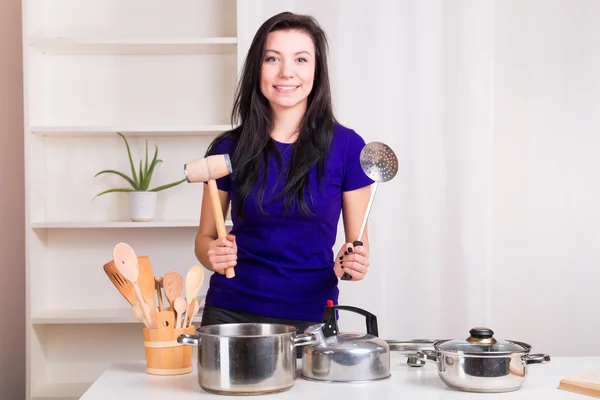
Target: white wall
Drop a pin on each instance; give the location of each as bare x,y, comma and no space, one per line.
492,108
12,211
546,246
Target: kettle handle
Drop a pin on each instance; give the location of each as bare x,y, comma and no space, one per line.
330,328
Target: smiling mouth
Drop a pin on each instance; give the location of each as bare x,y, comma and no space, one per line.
285,89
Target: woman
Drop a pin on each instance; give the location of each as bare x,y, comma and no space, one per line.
294,170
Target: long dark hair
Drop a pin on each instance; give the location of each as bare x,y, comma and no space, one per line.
252,111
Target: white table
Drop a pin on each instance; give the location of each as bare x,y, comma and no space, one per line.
130,381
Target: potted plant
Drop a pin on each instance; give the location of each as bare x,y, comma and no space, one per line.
142,200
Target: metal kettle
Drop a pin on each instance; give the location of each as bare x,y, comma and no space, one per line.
345,357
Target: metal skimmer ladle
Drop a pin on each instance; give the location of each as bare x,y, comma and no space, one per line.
379,162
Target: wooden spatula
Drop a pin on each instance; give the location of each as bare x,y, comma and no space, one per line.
146,280
127,263
165,320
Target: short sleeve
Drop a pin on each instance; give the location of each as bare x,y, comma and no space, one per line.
354,176
224,146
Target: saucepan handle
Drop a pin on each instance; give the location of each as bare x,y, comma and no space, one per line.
529,359
187,339
305,339
427,355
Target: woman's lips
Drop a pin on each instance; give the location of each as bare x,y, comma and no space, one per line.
285,88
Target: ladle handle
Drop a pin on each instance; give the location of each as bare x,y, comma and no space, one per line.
358,242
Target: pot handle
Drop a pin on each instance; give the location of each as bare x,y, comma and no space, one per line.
187,339
427,355
305,339
529,359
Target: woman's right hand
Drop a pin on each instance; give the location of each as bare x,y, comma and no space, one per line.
222,253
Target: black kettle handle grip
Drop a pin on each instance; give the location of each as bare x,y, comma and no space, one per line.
346,276
331,328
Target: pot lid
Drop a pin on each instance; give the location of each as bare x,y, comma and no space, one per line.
480,341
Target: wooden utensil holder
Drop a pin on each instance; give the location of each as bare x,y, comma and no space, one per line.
164,356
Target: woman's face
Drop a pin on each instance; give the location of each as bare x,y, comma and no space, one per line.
288,69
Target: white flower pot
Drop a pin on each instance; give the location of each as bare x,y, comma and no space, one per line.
142,206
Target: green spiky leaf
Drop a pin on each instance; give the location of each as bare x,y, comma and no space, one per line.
115,190
141,174
122,175
167,186
130,159
146,164
150,171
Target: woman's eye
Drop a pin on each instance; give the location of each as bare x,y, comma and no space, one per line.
302,59
271,59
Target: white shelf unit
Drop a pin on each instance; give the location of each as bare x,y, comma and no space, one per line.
162,71
134,45
146,131
119,224
104,316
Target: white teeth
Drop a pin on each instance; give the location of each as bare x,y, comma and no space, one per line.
286,87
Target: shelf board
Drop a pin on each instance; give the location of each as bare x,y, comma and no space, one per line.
191,45
62,391
119,224
76,317
74,130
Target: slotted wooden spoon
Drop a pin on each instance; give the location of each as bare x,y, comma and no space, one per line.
123,285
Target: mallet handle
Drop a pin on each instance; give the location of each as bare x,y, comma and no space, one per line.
218,216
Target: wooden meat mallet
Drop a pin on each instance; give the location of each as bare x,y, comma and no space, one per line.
208,170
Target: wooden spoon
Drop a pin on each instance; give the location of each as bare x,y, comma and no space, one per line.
189,313
127,263
173,286
197,305
158,283
180,306
193,283
138,313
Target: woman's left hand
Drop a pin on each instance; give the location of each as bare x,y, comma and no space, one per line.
353,260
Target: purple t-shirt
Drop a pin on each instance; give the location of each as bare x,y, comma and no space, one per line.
285,260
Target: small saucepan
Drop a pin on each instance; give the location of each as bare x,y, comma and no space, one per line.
481,363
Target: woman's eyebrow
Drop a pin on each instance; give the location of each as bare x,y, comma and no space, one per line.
298,52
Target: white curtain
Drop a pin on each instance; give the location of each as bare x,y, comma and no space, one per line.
424,77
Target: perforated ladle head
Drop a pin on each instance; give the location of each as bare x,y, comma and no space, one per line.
379,162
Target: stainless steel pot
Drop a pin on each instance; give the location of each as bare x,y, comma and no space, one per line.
246,358
481,363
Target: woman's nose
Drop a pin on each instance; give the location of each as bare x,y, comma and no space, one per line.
286,70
